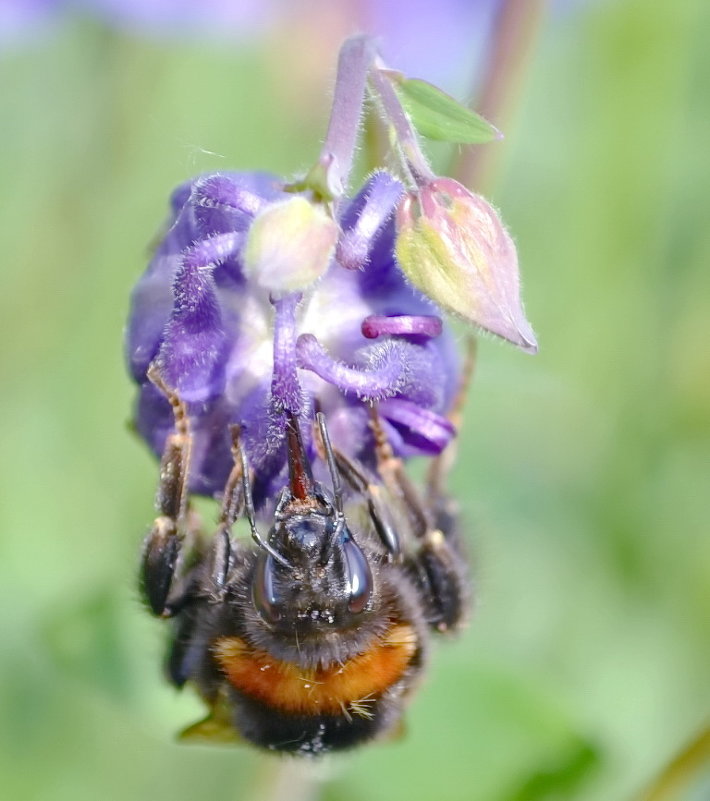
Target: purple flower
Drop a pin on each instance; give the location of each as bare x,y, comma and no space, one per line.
266,302
242,350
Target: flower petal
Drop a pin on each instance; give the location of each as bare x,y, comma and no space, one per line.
191,356
366,218
421,430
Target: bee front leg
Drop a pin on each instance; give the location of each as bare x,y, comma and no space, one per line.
356,478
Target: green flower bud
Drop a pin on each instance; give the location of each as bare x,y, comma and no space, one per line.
290,245
452,246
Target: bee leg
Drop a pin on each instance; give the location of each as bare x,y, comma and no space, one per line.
216,560
444,509
439,572
397,482
355,476
223,551
435,564
208,581
162,556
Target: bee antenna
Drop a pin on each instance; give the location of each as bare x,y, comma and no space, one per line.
330,458
337,487
249,501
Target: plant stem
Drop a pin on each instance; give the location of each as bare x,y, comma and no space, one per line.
354,61
404,133
289,779
516,28
681,770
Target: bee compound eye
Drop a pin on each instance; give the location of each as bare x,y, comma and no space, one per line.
359,574
263,592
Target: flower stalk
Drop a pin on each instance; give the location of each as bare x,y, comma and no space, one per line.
414,161
328,178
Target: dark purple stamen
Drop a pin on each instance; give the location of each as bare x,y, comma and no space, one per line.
421,325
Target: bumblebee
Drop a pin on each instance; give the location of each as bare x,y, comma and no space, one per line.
311,638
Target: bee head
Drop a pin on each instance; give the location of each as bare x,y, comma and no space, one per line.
327,582
323,578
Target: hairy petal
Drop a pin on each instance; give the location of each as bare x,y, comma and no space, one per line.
191,354
421,429
366,219
222,205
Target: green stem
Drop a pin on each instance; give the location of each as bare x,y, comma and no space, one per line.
415,162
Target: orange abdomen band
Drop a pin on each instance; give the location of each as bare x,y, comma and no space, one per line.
337,689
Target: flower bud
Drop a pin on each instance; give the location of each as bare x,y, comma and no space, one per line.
453,247
289,246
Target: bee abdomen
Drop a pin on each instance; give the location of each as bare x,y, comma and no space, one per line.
283,706
308,735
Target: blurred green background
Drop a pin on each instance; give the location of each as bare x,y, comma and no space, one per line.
584,472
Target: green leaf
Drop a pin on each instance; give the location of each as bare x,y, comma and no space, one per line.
437,115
